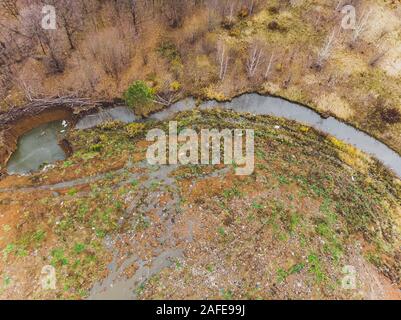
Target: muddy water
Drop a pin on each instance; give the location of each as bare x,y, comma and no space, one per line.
38,147
122,114
265,105
34,150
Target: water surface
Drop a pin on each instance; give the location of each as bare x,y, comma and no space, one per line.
122,114
38,147
278,107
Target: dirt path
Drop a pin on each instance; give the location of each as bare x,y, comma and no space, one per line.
70,183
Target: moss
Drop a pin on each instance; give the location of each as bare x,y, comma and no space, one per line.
175,86
135,129
111,125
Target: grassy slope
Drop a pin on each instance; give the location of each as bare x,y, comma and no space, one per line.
312,206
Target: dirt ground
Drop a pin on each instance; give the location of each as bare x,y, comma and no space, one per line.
178,232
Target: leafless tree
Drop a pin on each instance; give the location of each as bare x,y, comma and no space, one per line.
254,60
251,5
112,51
134,14
174,11
166,96
6,79
380,49
231,8
49,41
31,27
269,66
223,59
10,7
360,27
55,58
88,74
228,14
26,89
11,48
70,17
325,51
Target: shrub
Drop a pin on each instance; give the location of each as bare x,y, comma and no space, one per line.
134,129
175,86
243,13
111,125
139,94
391,115
112,50
274,26
96,147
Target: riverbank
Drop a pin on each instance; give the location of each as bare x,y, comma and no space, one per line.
18,121
254,103
358,84
105,217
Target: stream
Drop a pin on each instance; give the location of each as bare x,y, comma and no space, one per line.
34,149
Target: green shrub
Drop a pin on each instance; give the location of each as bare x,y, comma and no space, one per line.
96,147
134,129
111,125
139,94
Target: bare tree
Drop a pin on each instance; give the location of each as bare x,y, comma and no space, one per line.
70,18
251,5
26,89
254,60
326,51
112,51
228,14
166,96
174,11
31,26
360,27
87,74
223,59
49,41
6,79
11,49
269,66
134,13
10,7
